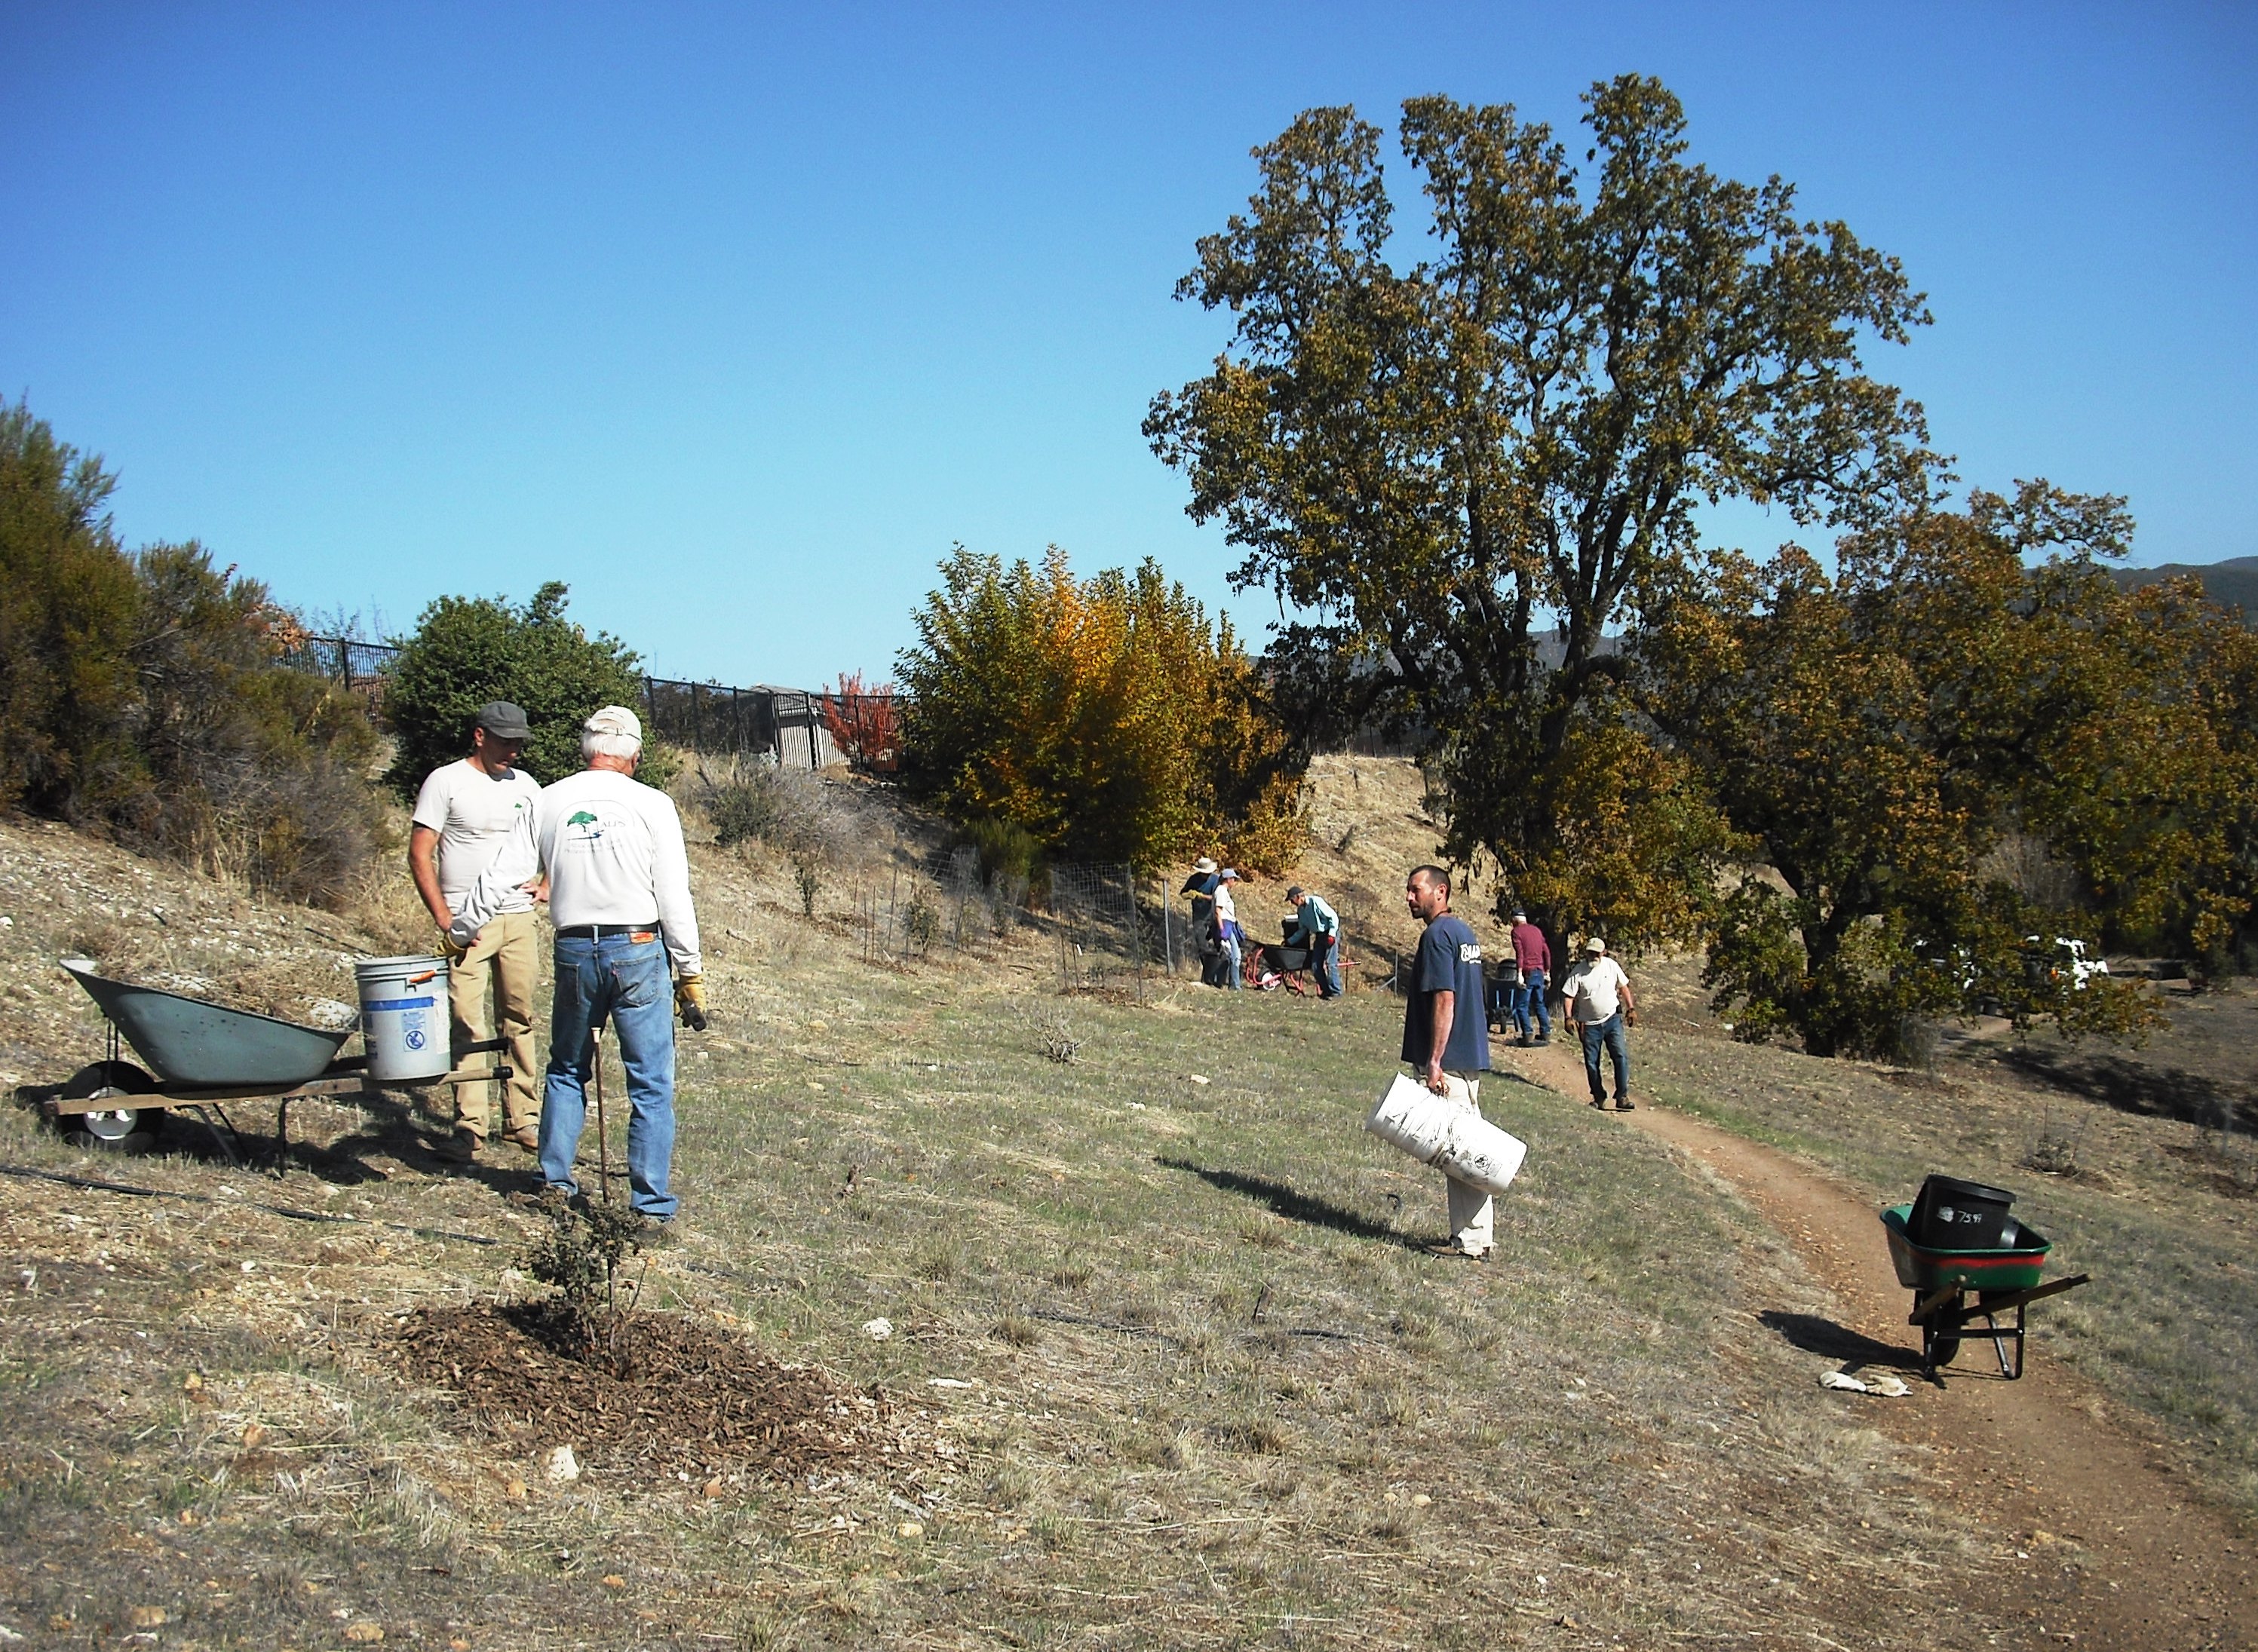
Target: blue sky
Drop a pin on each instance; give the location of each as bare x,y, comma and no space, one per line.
736,318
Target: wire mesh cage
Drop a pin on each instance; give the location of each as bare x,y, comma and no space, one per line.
1100,932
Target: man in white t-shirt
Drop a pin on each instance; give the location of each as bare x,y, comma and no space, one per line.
1227,930
1599,1002
470,815
619,890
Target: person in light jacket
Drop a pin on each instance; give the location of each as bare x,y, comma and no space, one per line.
619,890
1318,926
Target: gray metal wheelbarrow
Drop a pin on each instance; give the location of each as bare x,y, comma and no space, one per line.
200,1056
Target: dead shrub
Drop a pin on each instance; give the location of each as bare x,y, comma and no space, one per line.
1054,1036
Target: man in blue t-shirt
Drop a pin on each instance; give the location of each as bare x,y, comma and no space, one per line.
1445,1039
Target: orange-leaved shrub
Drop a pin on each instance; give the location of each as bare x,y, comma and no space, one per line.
1106,716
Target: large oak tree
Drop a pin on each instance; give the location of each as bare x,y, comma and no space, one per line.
1437,465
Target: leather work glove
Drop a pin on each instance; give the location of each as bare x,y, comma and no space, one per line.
690,999
453,949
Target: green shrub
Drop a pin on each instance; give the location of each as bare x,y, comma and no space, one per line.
144,693
466,651
69,606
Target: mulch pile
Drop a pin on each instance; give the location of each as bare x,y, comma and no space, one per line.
678,1397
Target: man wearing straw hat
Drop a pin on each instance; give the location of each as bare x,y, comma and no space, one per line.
1201,887
1446,1039
619,890
471,817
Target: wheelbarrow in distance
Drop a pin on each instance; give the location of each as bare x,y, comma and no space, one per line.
1954,1243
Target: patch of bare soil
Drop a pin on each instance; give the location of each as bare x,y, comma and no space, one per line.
2115,1548
669,1396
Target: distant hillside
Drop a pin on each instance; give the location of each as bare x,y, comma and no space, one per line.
2232,583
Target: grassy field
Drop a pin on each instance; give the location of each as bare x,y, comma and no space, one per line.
2139,1163
1202,1388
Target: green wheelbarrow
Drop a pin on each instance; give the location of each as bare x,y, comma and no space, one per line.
2002,1279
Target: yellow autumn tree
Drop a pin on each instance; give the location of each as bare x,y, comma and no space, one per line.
1104,715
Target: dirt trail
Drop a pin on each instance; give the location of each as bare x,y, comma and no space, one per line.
2123,1552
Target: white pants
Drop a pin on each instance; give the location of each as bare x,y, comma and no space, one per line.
1470,1208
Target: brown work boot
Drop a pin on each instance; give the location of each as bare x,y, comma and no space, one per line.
462,1147
525,1136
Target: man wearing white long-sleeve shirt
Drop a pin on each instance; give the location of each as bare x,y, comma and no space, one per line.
619,890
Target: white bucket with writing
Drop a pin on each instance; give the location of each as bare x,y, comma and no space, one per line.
404,1018
1454,1140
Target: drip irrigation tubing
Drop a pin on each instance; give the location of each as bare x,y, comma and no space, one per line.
289,1212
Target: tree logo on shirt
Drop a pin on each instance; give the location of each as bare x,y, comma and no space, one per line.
584,826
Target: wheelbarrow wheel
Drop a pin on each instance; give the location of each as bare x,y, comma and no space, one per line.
1940,1348
122,1130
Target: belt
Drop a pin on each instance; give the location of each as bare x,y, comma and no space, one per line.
598,931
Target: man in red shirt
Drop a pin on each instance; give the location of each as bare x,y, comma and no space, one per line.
1532,957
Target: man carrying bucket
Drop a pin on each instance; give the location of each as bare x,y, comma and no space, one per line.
468,815
619,890
1445,1040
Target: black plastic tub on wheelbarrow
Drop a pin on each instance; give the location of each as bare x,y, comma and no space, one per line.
2002,1279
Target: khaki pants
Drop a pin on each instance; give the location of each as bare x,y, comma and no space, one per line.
504,959
1471,1208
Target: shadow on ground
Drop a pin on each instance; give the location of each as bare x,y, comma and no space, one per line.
1829,1341
1290,1202
2133,1086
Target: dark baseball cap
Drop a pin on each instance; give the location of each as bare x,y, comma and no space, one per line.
503,720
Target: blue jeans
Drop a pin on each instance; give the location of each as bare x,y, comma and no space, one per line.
1528,1000
1324,953
618,979
1232,960
1608,1035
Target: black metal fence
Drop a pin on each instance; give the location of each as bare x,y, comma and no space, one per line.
792,725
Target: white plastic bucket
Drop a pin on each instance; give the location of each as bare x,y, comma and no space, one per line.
404,1018
1454,1140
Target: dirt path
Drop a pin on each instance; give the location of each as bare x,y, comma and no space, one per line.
2122,1551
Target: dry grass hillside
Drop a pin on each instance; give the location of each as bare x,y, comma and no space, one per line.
1066,1323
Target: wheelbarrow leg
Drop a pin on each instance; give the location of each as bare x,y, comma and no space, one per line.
204,1112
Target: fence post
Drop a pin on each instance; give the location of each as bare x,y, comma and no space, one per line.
345,662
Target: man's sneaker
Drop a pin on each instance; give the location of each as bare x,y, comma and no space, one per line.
1624,1104
1600,1102
525,1136
462,1147
656,1235
1451,1247
1543,1038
